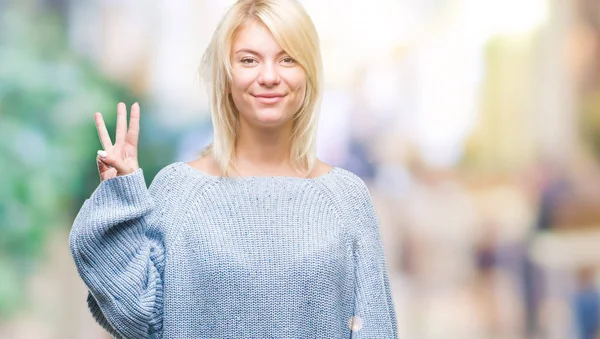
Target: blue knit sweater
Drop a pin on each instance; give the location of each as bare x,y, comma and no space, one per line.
201,256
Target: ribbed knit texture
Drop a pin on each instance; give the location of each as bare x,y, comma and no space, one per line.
200,256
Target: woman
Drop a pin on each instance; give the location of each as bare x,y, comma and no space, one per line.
255,239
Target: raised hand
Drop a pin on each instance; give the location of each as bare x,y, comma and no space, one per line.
120,158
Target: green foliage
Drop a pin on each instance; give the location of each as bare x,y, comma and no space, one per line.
48,140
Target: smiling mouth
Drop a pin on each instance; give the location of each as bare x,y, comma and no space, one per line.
269,100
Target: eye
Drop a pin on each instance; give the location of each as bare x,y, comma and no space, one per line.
289,60
247,61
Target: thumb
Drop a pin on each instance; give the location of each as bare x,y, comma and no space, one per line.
113,161
105,171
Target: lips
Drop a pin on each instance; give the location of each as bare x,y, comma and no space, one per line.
269,98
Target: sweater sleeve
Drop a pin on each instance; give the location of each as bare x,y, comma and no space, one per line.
374,314
120,255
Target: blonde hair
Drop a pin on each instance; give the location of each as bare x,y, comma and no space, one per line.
295,32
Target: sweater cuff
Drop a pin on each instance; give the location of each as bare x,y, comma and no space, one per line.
130,188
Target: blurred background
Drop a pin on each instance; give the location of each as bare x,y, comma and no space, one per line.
475,123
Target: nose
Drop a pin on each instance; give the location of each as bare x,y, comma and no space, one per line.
268,75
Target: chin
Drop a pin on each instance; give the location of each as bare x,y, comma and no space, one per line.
271,118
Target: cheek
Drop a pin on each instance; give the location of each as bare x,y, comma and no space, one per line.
237,96
238,87
298,82
300,93
301,90
242,80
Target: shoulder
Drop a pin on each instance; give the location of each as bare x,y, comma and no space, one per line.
349,190
320,169
167,172
359,209
354,199
345,181
205,164
174,176
163,180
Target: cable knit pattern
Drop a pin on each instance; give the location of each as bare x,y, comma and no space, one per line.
201,256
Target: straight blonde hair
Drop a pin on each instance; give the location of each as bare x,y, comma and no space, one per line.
295,32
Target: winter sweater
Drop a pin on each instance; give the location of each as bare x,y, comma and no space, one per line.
202,256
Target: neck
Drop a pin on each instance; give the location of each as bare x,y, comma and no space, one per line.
263,152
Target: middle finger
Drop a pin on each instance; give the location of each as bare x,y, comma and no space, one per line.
121,123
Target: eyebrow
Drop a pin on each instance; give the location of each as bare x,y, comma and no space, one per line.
251,51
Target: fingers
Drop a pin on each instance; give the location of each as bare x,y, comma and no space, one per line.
133,132
121,123
102,166
114,161
102,132
104,170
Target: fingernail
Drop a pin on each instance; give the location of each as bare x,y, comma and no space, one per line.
102,154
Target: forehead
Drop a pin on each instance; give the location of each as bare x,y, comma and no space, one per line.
256,36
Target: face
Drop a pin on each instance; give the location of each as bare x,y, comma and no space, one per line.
268,86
